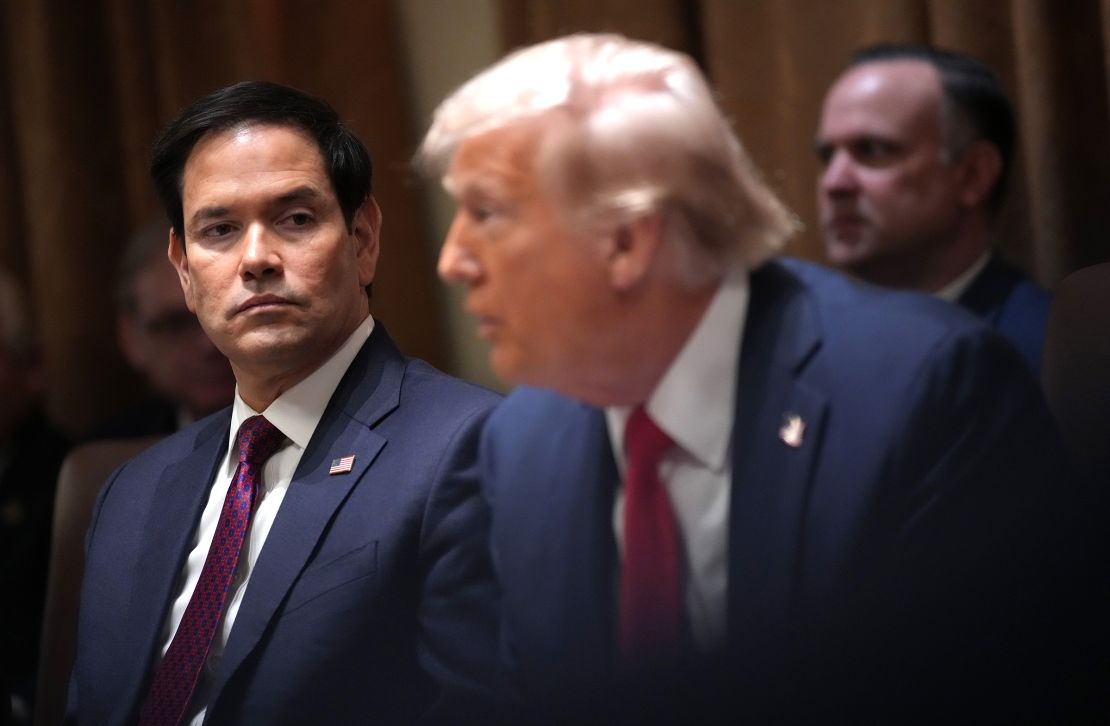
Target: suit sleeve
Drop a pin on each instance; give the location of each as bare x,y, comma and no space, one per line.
979,584
457,612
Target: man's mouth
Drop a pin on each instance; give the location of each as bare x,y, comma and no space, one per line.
262,304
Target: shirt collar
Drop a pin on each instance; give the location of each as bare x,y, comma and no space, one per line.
297,411
694,402
952,291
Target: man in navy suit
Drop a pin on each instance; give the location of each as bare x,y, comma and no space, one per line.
731,485
361,590
916,145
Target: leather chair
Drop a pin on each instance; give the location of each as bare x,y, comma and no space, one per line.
1076,373
83,473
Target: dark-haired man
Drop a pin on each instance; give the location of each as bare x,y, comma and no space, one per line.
317,552
916,145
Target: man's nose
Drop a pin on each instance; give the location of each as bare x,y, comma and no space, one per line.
456,261
839,175
261,257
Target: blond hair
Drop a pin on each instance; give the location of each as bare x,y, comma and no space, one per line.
630,128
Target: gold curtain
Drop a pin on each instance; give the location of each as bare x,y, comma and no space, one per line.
772,60
87,87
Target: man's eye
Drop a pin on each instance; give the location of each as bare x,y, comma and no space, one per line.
873,150
298,219
218,230
485,212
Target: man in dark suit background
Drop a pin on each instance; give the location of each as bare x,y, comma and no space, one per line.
917,145
731,485
344,577
187,376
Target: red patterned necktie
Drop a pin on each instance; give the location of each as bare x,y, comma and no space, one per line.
651,610
176,677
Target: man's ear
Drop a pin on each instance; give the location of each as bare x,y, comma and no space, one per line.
366,228
176,253
980,167
632,249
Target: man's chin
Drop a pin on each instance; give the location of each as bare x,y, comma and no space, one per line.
847,254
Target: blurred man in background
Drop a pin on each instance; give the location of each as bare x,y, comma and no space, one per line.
188,376
917,144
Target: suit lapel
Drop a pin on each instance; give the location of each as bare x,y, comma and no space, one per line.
369,391
181,495
989,290
772,456
580,570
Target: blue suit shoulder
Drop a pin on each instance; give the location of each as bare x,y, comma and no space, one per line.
426,385
1013,305
862,324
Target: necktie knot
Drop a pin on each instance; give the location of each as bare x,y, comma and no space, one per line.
258,440
644,442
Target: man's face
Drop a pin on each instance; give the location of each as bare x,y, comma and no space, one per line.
536,286
887,194
164,341
268,264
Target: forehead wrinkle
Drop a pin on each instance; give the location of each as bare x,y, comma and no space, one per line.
302,193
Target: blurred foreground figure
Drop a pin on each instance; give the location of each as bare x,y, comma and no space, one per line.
730,485
917,145
318,551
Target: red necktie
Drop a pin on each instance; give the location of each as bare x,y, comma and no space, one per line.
177,675
651,610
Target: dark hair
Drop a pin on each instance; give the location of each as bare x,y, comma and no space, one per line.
260,102
971,91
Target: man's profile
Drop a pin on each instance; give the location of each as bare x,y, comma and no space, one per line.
730,483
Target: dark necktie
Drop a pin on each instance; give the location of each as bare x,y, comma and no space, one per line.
176,677
651,610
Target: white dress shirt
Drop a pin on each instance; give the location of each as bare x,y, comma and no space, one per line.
295,413
959,285
694,403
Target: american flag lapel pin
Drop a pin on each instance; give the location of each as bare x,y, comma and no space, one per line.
793,430
342,465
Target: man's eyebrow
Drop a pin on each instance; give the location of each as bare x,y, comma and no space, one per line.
205,213
481,186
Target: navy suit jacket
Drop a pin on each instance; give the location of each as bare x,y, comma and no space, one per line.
1013,305
372,599
924,492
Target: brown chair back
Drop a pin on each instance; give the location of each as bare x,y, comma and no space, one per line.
82,475
1076,372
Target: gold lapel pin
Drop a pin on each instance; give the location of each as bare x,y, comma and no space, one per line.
793,430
